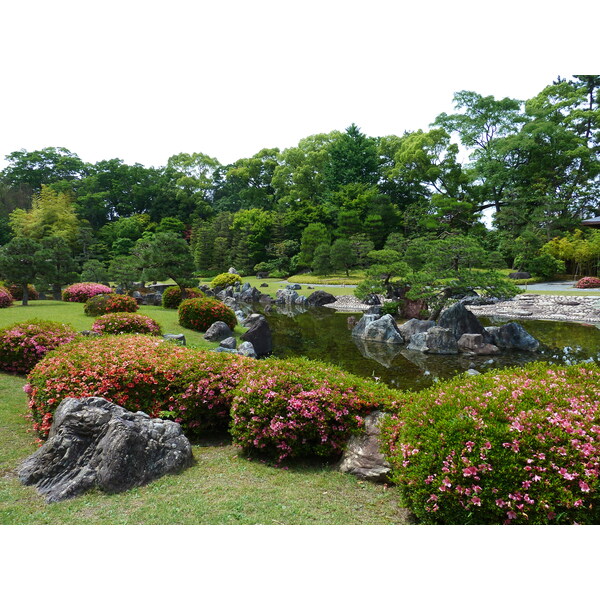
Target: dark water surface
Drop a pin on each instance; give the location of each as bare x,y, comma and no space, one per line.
323,334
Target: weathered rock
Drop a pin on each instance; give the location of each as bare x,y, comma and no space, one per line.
218,331
229,342
520,275
178,338
384,330
512,336
374,310
436,340
359,328
264,284
459,320
286,296
418,342
319,298
250,295
259,335
247,349
372,300
474,343
363,457
95,443
233,271
293,286
408,329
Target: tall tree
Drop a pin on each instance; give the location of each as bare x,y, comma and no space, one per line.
18,263
56,264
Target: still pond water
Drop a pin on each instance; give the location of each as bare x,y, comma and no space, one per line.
323,334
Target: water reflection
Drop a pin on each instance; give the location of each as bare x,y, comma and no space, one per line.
323,334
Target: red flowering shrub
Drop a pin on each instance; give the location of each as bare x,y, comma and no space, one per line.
200,313
297,407
515,446
16,291
139,373
82,292
103,304
6,298
117,323
23,345
172,296
588,282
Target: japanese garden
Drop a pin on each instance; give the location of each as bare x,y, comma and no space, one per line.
354,330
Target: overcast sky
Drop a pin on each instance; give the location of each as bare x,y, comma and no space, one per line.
143,80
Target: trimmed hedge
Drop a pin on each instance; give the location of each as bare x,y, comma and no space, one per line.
6,298
23,345
193,387
588,282
518,446
200,313
298,407
103,304
82,292
225,280
119,323
172,296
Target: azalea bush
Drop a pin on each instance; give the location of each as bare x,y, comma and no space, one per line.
103,304
193,387
297,407
588,282
117,323
6,298
23,345
515,446
200,313
225,280
172,296
82,292
16,291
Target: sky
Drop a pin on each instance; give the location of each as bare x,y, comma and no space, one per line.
144,80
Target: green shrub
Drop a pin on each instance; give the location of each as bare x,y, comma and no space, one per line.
391,308
225,280
109,303
138,372
118,323
293,408
200,313
172,296
6,298
23,345
515,446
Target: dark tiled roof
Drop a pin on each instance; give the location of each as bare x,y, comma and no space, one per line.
595,222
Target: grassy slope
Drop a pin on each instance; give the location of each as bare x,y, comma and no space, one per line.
222,487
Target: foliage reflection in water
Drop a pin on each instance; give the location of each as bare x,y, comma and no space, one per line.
324,334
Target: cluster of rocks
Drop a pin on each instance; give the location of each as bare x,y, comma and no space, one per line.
94,443
256,342
457,330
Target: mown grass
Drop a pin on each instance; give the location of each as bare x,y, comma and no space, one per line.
222,487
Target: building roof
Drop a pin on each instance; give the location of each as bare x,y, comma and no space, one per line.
595,222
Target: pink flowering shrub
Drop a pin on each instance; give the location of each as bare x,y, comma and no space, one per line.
117,323
193,387
82,292
103,304
519,446
6,298
23,345
200,313
588,282
293,408
172,296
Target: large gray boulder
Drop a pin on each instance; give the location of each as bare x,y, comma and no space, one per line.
320,298
436,340
472,343
372,328
408,329
459,320
512,336
362,456
286,296
94,443
218,331
259,335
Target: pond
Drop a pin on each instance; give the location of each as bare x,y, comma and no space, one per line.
324,334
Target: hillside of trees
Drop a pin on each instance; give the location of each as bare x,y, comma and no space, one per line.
336,201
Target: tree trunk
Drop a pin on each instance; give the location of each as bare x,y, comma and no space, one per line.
25,300
56,295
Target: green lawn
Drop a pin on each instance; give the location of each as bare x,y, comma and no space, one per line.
222,487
